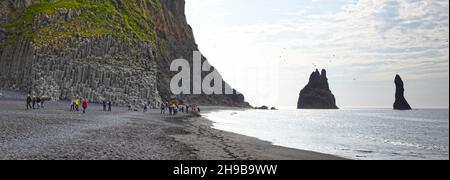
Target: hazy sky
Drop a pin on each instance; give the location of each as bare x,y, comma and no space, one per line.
268,48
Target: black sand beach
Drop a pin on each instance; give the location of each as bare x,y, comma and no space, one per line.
56,133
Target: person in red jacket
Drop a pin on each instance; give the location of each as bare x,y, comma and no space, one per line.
84,105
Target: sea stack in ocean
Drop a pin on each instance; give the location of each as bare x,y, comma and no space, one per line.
317,94
400,101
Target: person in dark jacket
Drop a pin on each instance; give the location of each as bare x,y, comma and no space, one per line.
163,108
29,102
34,102
109,106
38,102
104,105
145,108
42,102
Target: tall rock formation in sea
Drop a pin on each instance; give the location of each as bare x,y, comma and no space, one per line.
400,100
317,93
118,50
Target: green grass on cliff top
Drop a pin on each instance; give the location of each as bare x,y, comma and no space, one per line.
130,20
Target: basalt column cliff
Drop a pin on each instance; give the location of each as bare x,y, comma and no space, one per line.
118,50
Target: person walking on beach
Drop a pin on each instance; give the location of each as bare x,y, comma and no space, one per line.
163,108
43,99
77,103
72,104
34,102
84,105
175,109
104,105
170,109
69,104
109,106
29,102
145,108
38,102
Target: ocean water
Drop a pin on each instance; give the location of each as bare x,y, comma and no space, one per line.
369,134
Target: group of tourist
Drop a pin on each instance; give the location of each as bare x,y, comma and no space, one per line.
75,103
34,102
171,107
107,104
174,108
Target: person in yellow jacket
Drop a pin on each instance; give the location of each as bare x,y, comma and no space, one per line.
77,103
174,108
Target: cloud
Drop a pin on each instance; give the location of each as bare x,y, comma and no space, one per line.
373,39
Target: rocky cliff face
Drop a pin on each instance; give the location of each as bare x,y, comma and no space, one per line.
118,50
317,93
400,100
